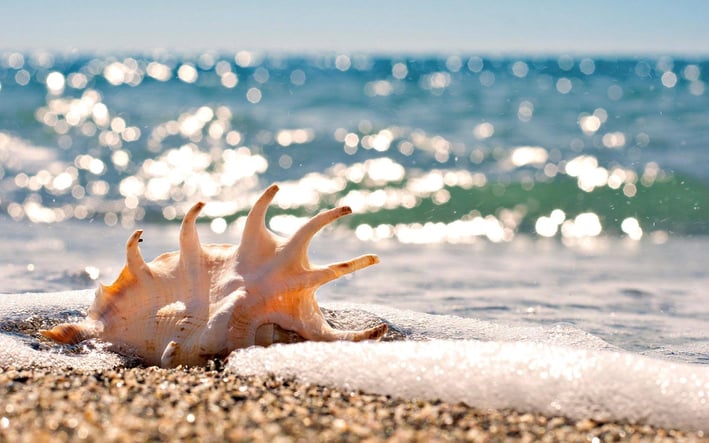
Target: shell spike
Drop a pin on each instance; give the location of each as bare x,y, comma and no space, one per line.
256,220
256,239
327,333
134,259
189,239
337,270
297,246
373,333
69,333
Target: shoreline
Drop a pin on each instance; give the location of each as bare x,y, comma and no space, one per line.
207,404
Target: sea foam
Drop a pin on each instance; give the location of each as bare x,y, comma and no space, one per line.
20,350
535,377
555,370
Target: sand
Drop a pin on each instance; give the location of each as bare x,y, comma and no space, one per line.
208,404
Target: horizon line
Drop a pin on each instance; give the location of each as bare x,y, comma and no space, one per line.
415,53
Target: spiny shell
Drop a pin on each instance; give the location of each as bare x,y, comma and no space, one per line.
206,300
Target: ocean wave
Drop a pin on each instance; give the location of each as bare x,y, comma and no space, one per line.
424,149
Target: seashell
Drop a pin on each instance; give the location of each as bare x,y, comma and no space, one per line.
206,300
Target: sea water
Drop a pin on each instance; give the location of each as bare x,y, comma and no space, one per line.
541,222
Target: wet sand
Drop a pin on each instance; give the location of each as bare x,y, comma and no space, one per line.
207,404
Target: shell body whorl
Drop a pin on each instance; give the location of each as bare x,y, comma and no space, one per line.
206,300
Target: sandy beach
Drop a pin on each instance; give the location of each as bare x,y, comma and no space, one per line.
208,404
138,403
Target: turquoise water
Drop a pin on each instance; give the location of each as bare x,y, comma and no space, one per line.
440,149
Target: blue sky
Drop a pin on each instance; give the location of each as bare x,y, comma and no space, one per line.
379,26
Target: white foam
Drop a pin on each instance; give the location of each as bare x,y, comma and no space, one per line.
556,370
23,351
18,353
537,377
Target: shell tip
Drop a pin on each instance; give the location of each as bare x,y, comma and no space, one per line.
135,237
271,190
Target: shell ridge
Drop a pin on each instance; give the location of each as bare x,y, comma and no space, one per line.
291,309
107,297
219,318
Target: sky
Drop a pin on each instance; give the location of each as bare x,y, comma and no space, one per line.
374,26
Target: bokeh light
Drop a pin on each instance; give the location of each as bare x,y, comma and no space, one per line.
443,149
